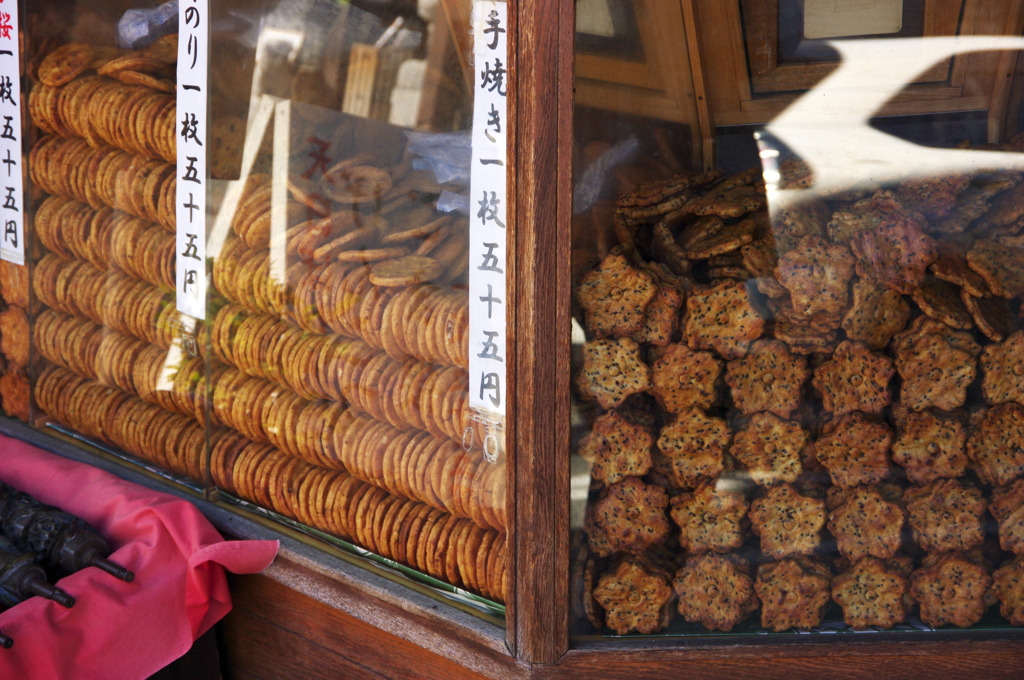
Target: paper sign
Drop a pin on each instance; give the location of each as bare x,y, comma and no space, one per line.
488,199
12,248
193,53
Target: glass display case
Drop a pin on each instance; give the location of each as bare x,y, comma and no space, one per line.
249,258
660,336
797,406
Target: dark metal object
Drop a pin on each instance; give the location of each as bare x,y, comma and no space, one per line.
58,539
21,578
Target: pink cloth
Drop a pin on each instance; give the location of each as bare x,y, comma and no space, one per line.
120,630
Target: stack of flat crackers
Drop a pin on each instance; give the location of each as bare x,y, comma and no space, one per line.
336,395
817,401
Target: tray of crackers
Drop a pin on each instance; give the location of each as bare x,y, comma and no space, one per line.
805,416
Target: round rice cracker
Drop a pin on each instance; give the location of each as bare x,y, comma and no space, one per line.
455,541
405,271
64,63
390,462
396,539
437,546
468,553
481,557
372,504
383,523
433,518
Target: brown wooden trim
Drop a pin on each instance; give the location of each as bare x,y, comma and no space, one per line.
539,620
705,121
828,658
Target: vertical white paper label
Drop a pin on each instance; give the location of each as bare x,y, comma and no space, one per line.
487,205
193,55
12,248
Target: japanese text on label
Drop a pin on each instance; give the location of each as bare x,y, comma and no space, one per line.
12,247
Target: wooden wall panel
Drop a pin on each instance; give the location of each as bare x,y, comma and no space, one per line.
276,633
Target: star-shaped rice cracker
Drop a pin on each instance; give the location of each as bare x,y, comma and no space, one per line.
871,593
615,296
682,377
634,597
817,275
793,593
950,590
936,364
929,447
709,518
855,379
856,451
1003,370
769,448
617,448
661,318
612,371
945,515
866,524
787,522
632,515
877,314
1001,266
997,444
896,252
1007,507
715,591
770,378
1008,588
694,443
722,318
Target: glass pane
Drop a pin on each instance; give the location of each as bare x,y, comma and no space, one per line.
328,385
797,400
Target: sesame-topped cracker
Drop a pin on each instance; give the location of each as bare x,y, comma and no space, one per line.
682,377
994,316
854,379
950,590
634,596
856,451
871,593
597,538
14,336
897,251
64,63
1001,267
877,314
1007,506
661,318
1008,588
657,192
694,443
793,593
615,296
945,515
995,444
612,370
933,197
941,301
715,591
787,522
760,258
665,246
929,447
769,378
951,265
845,224
936,364
632,515
617,448
1003,370
804,340
709,518
817,275
695,229
722,318
795,219
1007,207
726,239
959,219
866,524
769,448
728,199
